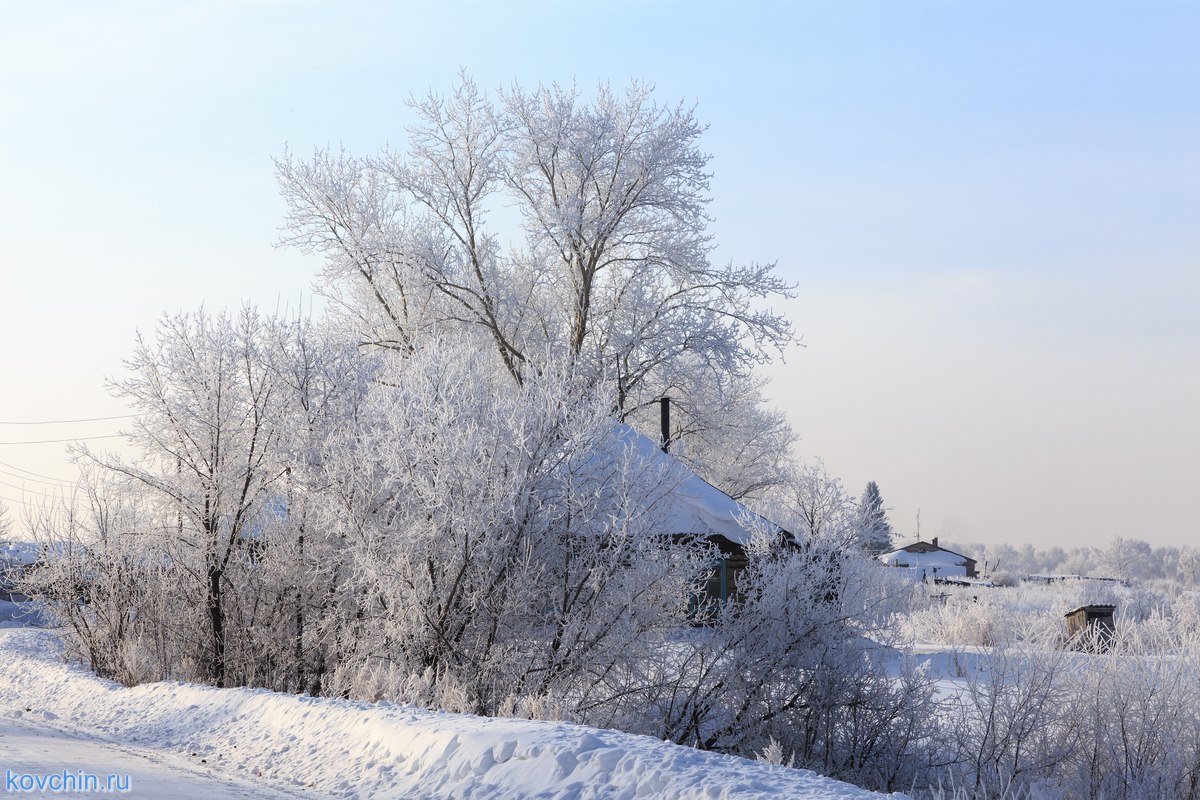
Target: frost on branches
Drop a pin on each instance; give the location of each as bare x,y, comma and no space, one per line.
309,516
602,255
429,496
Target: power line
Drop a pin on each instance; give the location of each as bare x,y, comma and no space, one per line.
33,504
49,478
65,421
20,477
42,492
33,499
74,439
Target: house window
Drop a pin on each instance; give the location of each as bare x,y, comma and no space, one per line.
713,593
717,586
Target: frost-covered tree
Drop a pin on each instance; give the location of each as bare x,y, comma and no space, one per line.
1129,558
212,515
223,457
207,432
875,529
301,563
1188,565
420,527
104,582
503,541
607,262
429,496
817,502
731,438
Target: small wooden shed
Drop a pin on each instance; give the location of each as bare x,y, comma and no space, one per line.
1091,626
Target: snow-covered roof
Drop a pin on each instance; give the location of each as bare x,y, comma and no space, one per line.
932,558
690,504
928,547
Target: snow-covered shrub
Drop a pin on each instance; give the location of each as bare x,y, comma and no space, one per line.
1031,719
423,529
112,595
1012,720
1137,709
503,538
1033,611
1005,579
773,754
1185,612
799,661
957,624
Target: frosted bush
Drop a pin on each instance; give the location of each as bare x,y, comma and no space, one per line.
1032,611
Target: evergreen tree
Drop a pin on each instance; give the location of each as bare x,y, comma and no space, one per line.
875,532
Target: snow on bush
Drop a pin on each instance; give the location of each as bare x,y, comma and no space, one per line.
425,531
1033,611
1032,718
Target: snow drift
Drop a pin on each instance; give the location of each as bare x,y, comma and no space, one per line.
350,749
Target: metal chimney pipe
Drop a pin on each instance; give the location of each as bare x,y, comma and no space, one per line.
665,414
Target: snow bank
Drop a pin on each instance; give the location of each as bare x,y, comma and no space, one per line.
349,749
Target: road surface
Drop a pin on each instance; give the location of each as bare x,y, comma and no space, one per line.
32,749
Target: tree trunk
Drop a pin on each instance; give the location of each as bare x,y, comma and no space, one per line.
216,618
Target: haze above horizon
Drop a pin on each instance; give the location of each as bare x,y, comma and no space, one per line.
989,210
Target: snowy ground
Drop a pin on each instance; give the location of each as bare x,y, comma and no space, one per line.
182,740
34,748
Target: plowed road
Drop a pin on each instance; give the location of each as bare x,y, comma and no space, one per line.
32,747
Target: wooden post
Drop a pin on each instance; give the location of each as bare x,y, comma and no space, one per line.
665,415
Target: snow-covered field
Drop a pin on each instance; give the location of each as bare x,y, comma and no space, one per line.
183,740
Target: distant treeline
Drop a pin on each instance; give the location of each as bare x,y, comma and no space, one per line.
1121,558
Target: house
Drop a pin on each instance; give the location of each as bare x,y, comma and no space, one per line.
931,560
687,507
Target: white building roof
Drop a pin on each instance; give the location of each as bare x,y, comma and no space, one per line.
933,558
690,504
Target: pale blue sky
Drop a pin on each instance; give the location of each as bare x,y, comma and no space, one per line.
990,210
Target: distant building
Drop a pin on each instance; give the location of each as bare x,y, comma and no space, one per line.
932,561
1091,627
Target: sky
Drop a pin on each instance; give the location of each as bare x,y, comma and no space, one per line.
989,211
